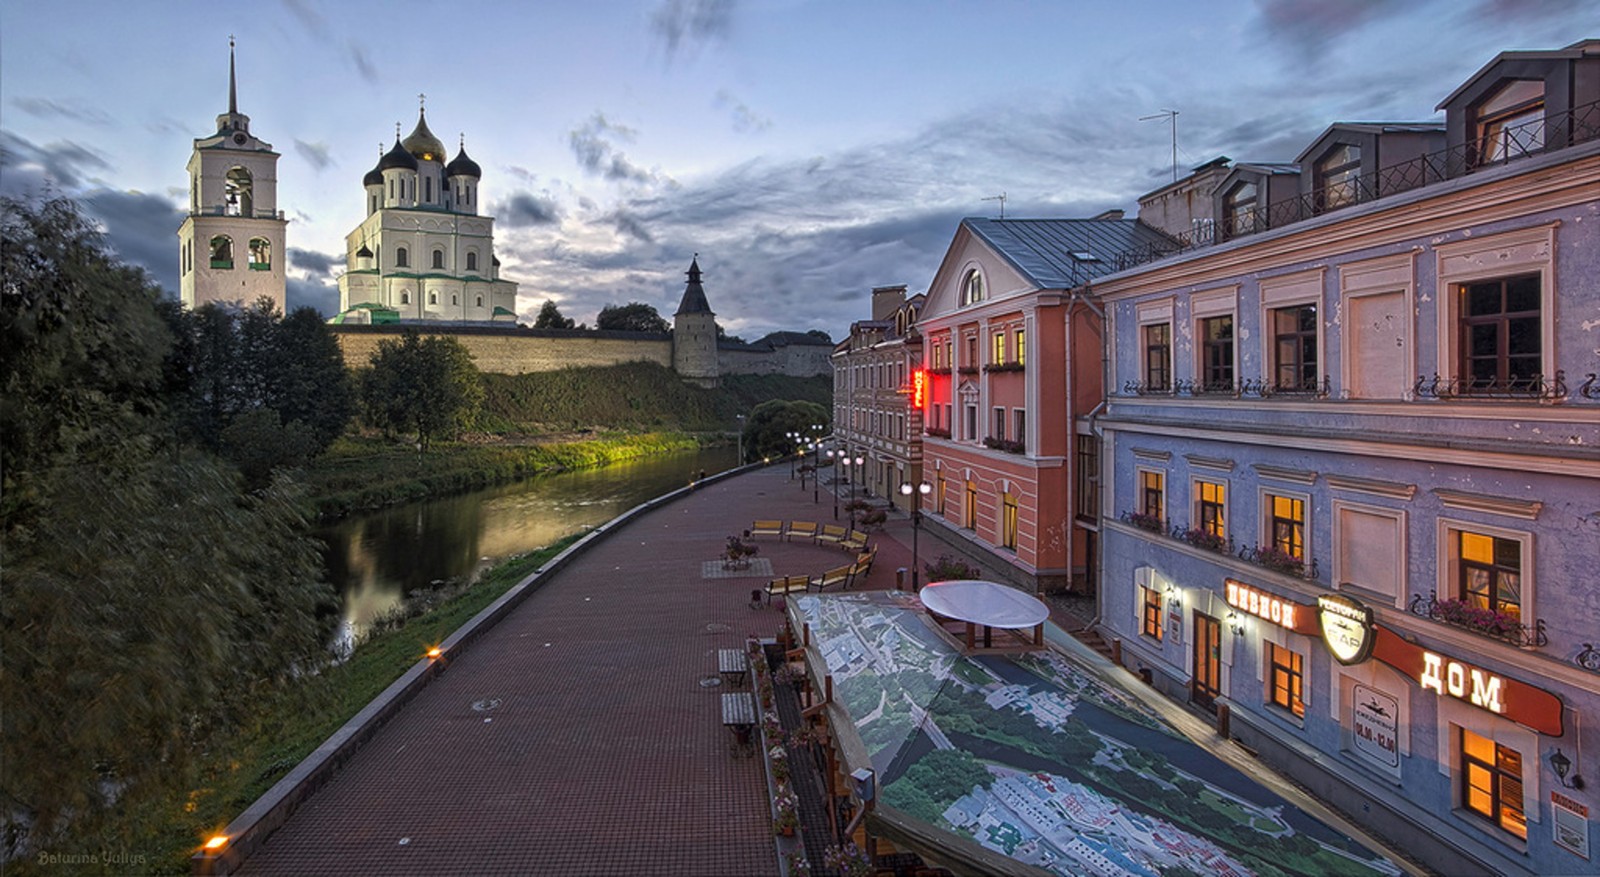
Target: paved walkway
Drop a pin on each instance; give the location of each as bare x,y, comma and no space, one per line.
576,737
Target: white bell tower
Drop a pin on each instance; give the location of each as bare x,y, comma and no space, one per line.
231,244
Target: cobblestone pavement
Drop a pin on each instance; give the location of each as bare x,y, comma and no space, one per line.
582,734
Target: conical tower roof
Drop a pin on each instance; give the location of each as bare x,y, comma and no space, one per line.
694,295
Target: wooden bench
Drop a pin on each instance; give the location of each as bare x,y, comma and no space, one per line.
839,575
767,528
831,534
733,666
739,715
783,586
803,529
863,564
855,541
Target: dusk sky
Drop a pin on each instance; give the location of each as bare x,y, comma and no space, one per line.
807,150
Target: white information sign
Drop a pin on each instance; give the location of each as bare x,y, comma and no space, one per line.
1375,725
1571,821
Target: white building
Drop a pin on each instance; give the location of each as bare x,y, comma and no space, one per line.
423,252
231,244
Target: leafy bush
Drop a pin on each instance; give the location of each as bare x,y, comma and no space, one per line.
948,568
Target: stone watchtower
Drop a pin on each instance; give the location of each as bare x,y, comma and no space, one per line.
694,333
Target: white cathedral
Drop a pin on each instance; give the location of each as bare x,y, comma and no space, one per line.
421,254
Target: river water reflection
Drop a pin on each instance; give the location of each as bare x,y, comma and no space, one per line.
374,560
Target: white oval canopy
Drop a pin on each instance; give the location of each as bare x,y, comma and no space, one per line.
987,603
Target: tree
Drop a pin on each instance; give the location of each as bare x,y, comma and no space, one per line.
148,600
424,385
820,335
766,430
631,317
550,317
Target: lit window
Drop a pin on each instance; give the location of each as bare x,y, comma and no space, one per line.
971,508
1491,782
1338,176
1151,616
999,353
1158,357
1500,333
1511,122
1152,494
1008,521
1286,522
1294,345
1286,679
1211,508
1022,347
1490,573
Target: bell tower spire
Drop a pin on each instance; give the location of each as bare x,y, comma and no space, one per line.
233,86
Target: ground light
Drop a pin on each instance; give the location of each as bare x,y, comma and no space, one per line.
216,843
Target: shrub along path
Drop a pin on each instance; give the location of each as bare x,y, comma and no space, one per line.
575,737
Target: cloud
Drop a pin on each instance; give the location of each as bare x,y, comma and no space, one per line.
593,145
631,226
45,108
525,209
314,293
1312,27
141,229
689,24
313,262
361,59
315,154
30,169
744,119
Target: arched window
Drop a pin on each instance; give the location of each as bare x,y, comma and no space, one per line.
260,254
472,260
972,288
405,297
427,188
433,298
237,187
373,205
222,251
401,257
480,301
455,299
438,258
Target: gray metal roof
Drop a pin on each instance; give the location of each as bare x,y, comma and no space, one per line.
1063,253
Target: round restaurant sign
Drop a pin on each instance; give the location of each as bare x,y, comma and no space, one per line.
1346,628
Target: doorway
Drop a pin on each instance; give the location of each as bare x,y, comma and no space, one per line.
1207,684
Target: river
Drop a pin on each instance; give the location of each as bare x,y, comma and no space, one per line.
375,559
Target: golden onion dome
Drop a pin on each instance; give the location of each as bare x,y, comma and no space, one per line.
421,142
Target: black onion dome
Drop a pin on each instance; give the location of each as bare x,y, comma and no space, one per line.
461,166
397,157
363,253
374,177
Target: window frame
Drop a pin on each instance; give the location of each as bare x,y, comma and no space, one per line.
1269,521
1501,322
438,258
972,288
402,257
1450,565
1022,346
997,352
1276,339
1143,492
1152,612
1197,486
1008,520
1508,254
969,517
1206,348
1156,364
1285,680
1237,209
1498,120
1343,177
1507,789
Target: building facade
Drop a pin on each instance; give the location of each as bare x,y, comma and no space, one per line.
1351,461
873,415
231,243
1014,370
423,252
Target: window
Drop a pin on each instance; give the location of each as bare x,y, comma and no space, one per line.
971,288
1285,679
433,298
1150,617
1491,782
405,297
372,204
455,299
972,351
1239,210
438,258
1216,353
999,353
971,507
1158,357
1022,346
260,254
1008,521
1088,476
1337,177
472,260
1511,122
1019,419
1152,494
999,432
939,493
1489,573
1500,332
1286,524
222,251
1294,340
480,301
1211,508
427,188
238,190
402,259
972,423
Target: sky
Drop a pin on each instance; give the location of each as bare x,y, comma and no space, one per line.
806,150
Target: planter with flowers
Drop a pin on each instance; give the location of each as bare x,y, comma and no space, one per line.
738,552
785,812
848,860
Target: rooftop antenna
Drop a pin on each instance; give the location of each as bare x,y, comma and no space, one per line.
1172,117
1002,199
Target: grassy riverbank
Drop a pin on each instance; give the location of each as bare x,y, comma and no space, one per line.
287,726
369,473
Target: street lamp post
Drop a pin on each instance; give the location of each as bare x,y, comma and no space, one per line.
740,418
916,496
792,436
837,460
855,475
816,473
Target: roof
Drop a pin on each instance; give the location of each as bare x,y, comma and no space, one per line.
694,295
1579,49
1063,253
462,166
1373,128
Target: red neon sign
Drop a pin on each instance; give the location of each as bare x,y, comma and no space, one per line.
919,388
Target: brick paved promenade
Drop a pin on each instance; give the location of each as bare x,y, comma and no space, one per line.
593,747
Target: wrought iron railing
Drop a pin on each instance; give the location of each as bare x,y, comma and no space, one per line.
1484,622
1549,133
1532,387
1266,557
1250,388
1591,387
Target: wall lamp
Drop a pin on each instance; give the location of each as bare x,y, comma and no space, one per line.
1560,763
1236,623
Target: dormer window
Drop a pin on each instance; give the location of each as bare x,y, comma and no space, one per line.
1338,173
1511,121
1239,210
972,288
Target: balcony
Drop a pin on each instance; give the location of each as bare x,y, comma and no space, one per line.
1531,388
1006,445
1481,621
993,367
1266,557
1252,388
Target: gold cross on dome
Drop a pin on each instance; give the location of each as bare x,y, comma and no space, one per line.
422,101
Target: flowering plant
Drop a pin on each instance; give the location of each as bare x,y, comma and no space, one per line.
799,865
1205,539
1146,522
788,807
739,551
1278,560
948,568
849,860
1479,618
